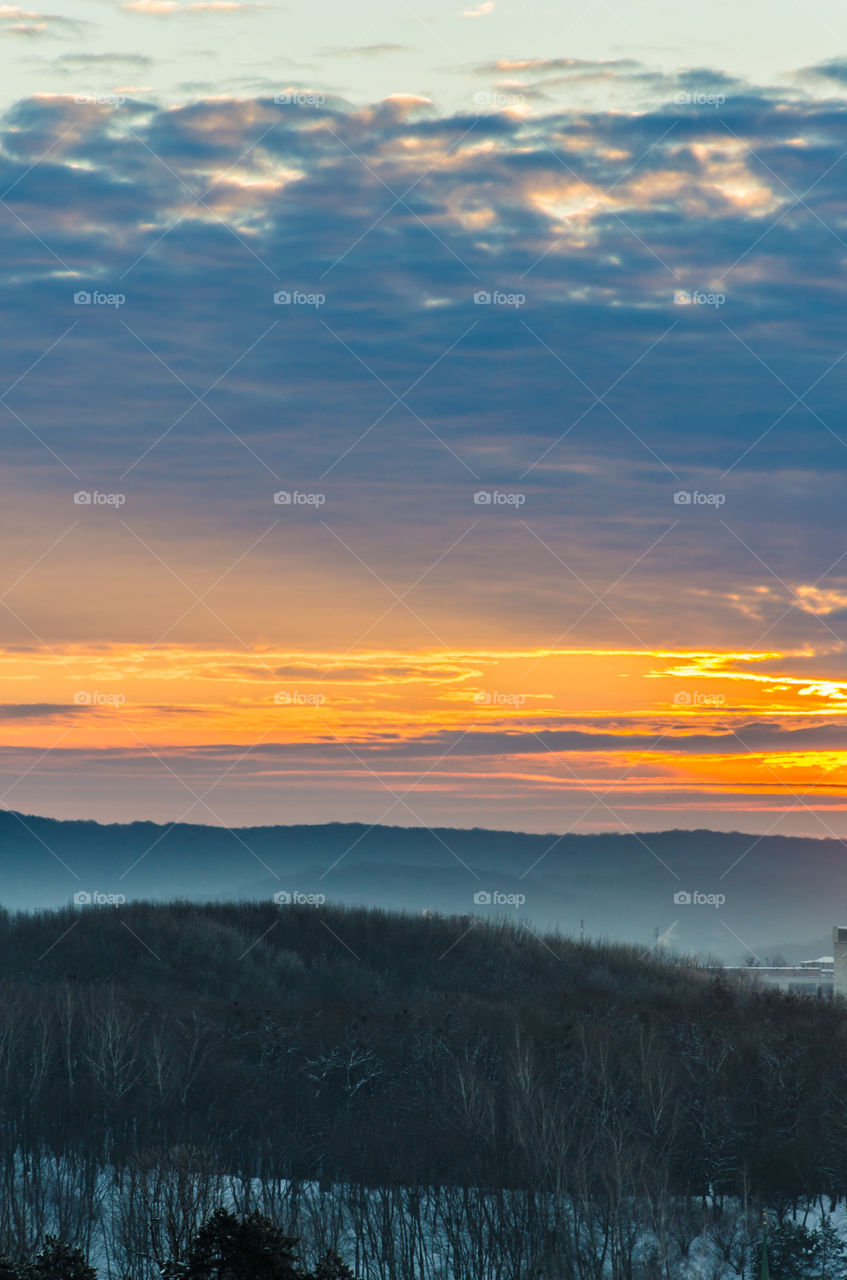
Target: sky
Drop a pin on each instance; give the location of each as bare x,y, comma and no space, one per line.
425,414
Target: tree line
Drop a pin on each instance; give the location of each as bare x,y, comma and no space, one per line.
417,1089
225,1247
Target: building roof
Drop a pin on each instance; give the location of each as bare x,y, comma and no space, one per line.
808,966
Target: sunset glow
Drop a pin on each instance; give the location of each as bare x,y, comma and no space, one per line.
425,421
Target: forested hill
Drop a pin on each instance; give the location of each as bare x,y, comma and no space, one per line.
778,894
356,1045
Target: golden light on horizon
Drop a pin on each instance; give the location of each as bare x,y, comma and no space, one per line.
661,720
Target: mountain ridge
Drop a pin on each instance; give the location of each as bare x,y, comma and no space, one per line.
778,892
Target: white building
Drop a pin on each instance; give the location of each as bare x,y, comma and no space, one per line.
808,978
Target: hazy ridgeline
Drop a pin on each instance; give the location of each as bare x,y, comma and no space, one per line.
434,1096
778,893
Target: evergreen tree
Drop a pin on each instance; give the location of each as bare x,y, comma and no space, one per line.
231,1248
59,1261
332,1267
794,1252
831,1262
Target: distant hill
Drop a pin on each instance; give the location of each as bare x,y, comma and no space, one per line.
782,894
380,1048
424,1088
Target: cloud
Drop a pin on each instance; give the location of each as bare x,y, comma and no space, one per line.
41,711
834,69
578,66
458,329
596,398
16,21
367,50
742,740
107,59
173,8
481,11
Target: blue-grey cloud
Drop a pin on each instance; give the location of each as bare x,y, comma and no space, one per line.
582,383
46,711
834,69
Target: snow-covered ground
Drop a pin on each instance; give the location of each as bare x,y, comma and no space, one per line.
449,1233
